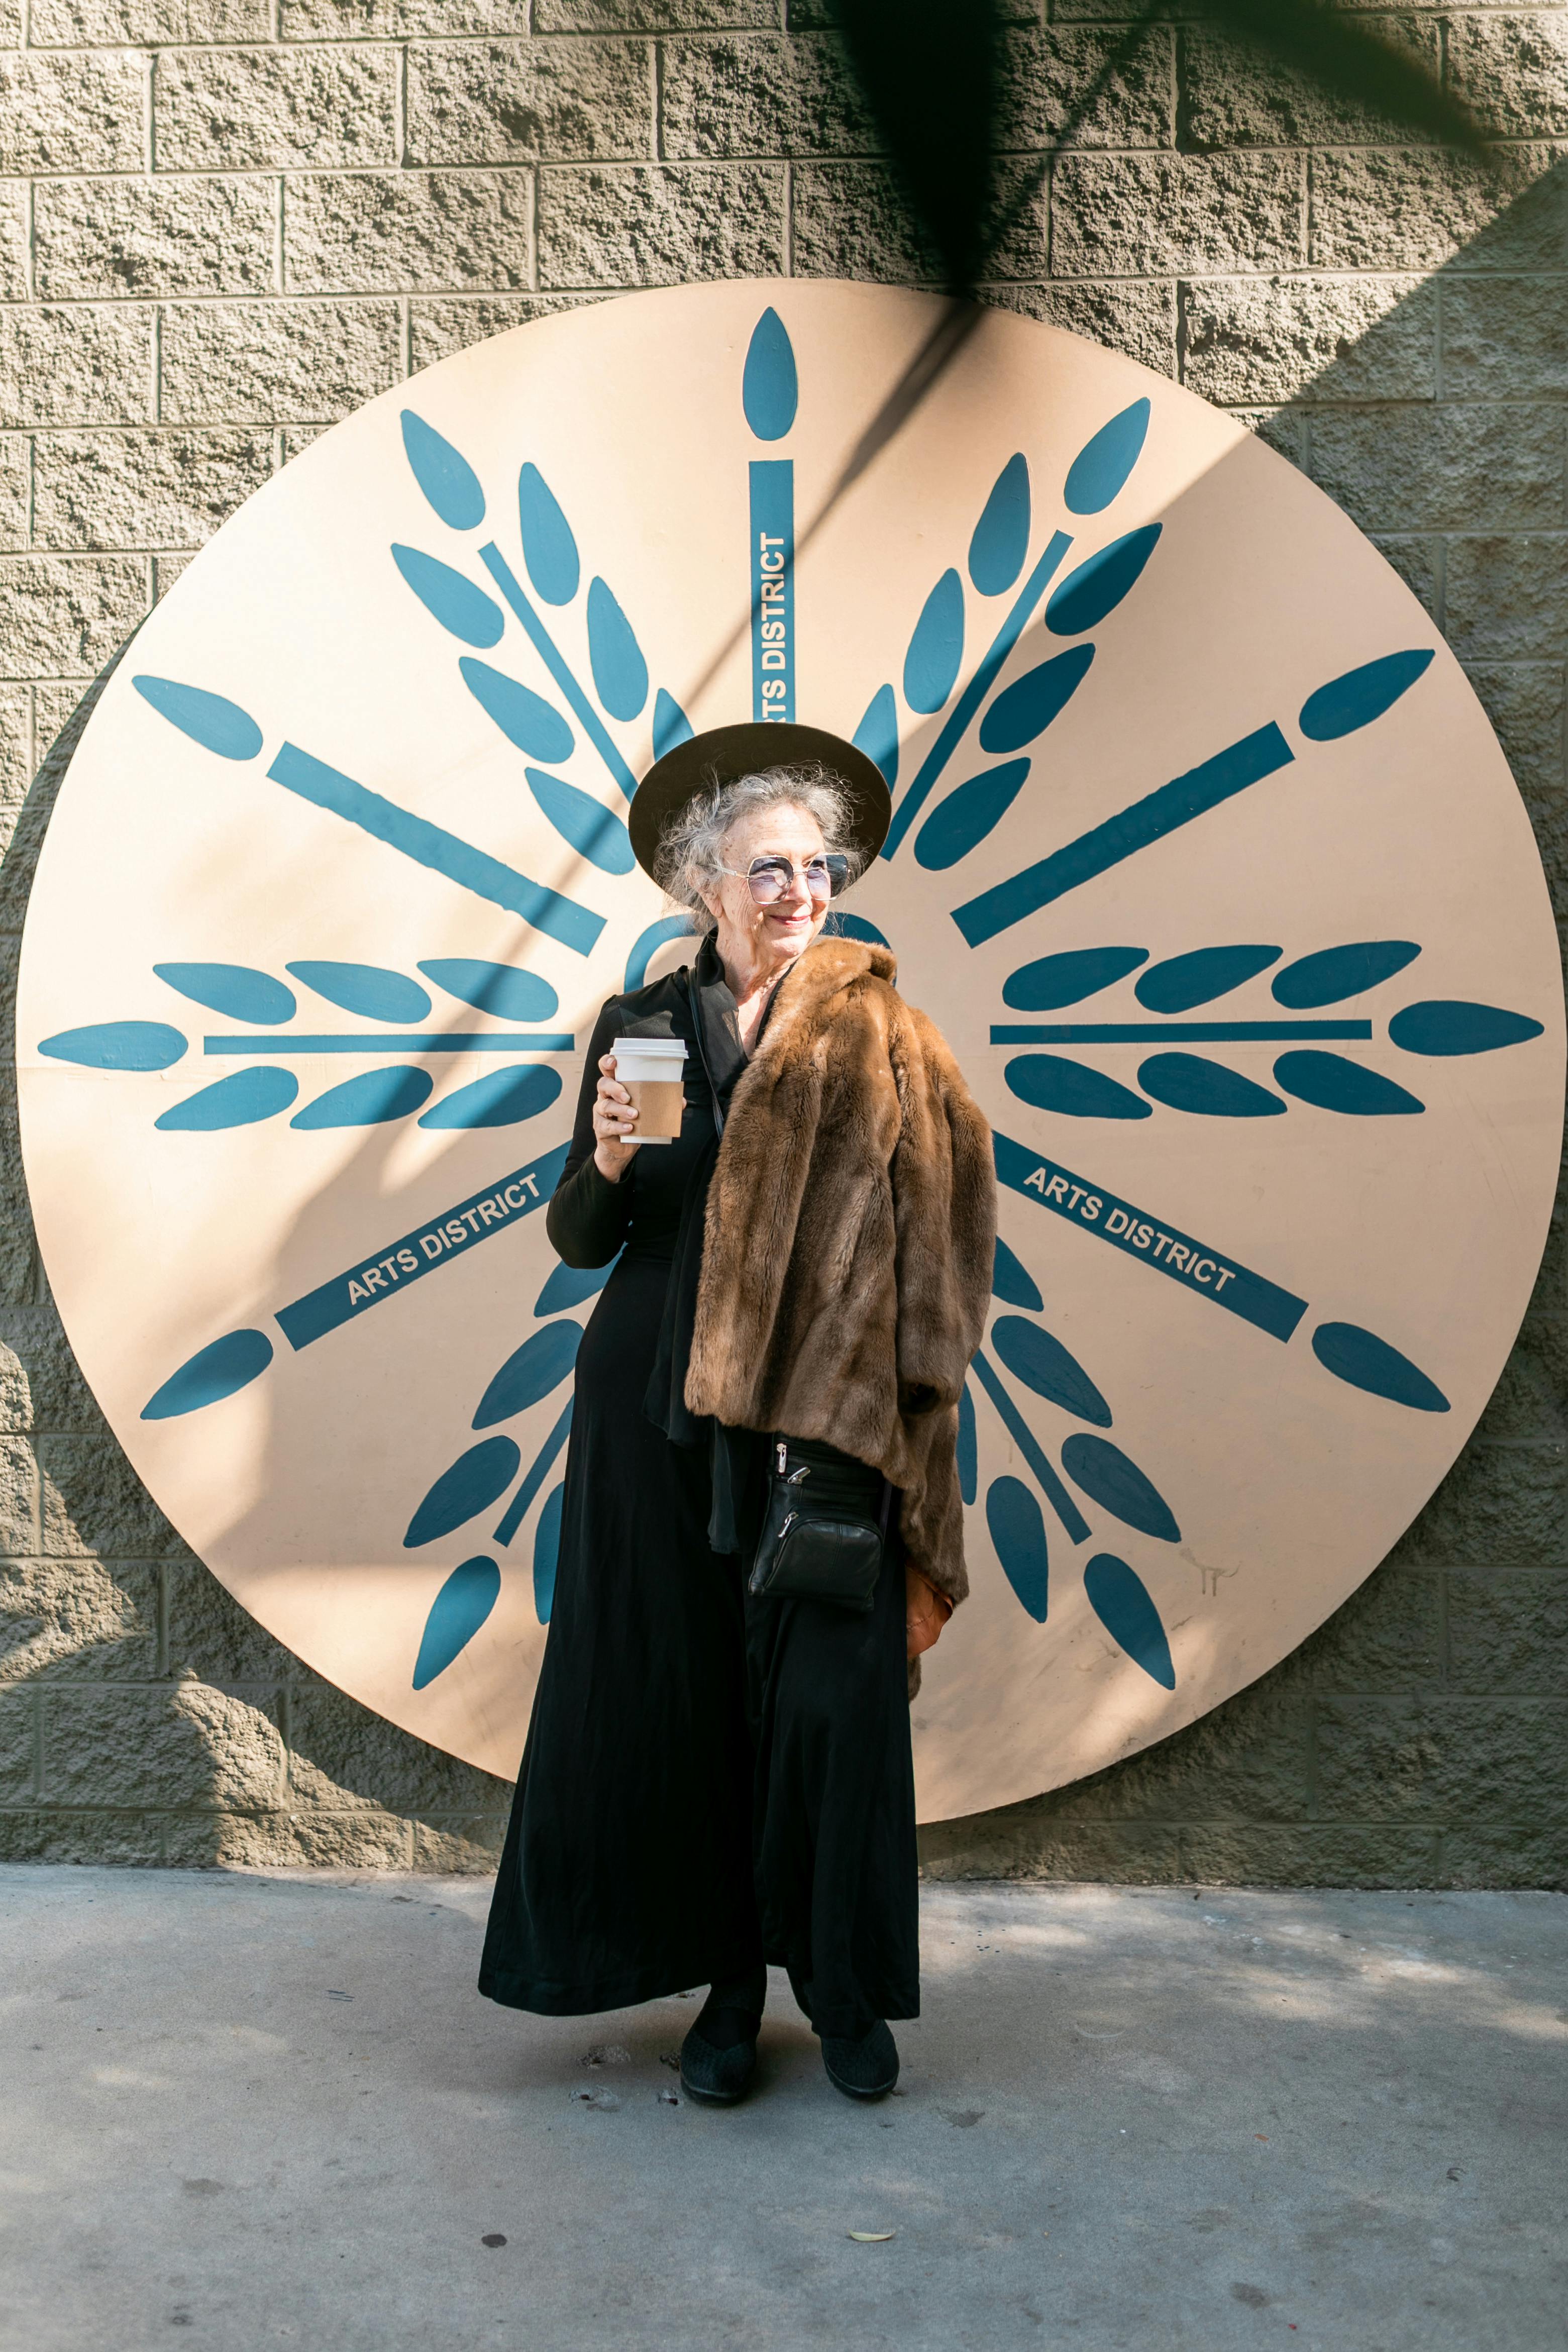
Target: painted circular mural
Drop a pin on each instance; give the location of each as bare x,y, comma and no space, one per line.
1204,856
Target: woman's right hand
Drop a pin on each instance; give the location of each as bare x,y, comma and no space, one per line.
614,1147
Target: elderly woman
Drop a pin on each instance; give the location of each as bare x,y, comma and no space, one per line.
720,1776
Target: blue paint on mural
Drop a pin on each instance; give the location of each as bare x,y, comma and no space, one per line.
445,477
1335,974
937,647
568,1285
1368,1362
620,672
535,726
1197,978
210,720
1000,540
1362,695
504,990
1119,1599
647,943
595,832
214,1372
546,1553
1038,1358
241,1100
540,1364
1330,1083
1018,1531
769,388
550,550
968,1458
970,812
1068,978
877,734
470,1486
456,1613
772,481
1101,468
1191,1083
1054,1082
1097,586
450,598
234,990
504,1098
1118,1486
1448,1026
368,990
534,1477
1026,709
1011,1280
117,1046
671,725
369,1101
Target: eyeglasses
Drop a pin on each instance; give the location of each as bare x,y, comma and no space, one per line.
769,878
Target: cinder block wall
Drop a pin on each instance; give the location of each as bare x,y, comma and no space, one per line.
225,222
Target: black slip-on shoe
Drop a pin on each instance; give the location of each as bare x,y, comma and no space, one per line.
719,2077
866,2069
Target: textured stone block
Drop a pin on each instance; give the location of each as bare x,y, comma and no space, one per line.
16,745
212,1638
232,363
1444,468
71,114
166,570
1004,1845
622,224
1144,215
1069,81
1129,315
1233,95
320,20
43,1386
655,15
342,1755
78,365
439,327
1530,1400
1508,1634
1487,1854
470,1848
84,1622
18,1497
1412,207
1417,562
1504,338
18,1745
1501,1506
1272,339
517,101
169,1745
94,1502
1245,1761
1386,1637
65,614
1308,1854
1512,71
129,1840
275,1840
1508,597
142,488
1432,1759
414,231
154,236
751,96
13,284
82,23
246,109
16,475
849,220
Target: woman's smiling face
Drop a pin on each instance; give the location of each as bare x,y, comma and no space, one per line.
764,936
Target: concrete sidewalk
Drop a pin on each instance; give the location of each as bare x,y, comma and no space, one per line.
262,2111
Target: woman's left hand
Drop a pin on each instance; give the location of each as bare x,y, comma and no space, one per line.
925,1613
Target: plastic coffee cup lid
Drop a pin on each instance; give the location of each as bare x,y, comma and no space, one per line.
657,1049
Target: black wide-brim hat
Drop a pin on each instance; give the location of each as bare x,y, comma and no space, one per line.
722,755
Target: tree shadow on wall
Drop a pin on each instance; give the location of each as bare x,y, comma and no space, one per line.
171,1727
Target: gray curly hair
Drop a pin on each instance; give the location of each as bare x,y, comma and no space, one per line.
690,849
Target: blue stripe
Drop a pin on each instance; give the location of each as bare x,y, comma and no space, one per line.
1138,1033
593,726
1019,1429
434,1041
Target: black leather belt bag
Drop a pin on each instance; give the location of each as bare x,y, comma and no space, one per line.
822,1534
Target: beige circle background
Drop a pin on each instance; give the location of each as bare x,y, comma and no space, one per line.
1287,1483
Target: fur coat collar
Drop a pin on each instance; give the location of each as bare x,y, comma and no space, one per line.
848,1252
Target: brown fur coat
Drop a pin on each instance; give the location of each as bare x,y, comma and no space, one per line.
850,1229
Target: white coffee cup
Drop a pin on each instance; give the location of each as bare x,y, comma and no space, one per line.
652,1070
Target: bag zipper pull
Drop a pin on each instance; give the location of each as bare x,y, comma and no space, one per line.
782,1452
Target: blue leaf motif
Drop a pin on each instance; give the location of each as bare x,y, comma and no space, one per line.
877,734
1198,977
840,926
546,1553
967,1450
1011,1280
550,550
366,989
769,388
1098,586
620,672
469,1486
504,990
1001,536
1052,1082
1039,1360
568,1285
524,718
931,665
1330,1082
456,1613
540,1364
1101,468
369,1101
233,990
646,945
962,821
1026,709
118,1045
1118,1486
1120,1600
450,599
1361,695
1333,974
214,1372
209,719
1447,1026
1068,978
671,725
595,832
1191,1082
1365,1361
445,477
1017,1532
502,1098
240,1101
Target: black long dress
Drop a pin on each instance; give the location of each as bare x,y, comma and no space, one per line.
708,1780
